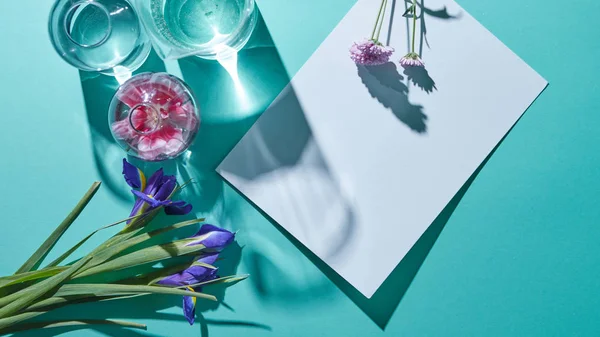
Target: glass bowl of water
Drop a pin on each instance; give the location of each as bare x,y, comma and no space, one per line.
99,35
154,116
209,29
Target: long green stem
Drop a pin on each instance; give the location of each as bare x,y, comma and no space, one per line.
58,324
65,255
381,21
414,25
377,21
36,259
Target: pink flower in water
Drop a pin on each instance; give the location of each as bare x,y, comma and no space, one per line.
411,60
168,141
370,53
157,117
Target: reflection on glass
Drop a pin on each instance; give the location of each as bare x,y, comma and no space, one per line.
99,35
154,116
205,28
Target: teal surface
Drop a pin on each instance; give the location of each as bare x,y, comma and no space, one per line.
515,254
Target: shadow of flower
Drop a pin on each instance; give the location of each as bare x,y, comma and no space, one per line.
420,77
385,84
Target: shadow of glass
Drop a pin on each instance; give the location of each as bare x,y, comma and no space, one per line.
381,306
229,107
98,91
281,162
279,158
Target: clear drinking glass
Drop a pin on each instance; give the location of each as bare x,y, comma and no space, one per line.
205,28
154,116
99,35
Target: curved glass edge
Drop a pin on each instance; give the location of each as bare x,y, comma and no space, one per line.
167,50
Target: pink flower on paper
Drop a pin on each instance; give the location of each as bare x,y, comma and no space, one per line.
157,117
411,60
370,53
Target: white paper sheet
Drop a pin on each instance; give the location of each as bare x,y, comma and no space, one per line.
357,162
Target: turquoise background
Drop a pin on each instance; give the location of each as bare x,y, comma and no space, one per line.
516,253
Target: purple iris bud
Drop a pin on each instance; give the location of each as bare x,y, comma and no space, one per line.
189,309
213,238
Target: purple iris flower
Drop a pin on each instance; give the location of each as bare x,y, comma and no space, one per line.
154,192
213,238
196,273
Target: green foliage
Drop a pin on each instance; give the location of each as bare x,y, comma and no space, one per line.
30,292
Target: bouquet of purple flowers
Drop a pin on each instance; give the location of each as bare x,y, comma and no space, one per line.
33,291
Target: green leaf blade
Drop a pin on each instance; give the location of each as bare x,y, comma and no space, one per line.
82,323
143,256
29,276
23,298
36,259
96,289
111,251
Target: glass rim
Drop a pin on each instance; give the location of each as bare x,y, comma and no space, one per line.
64,45
71,12
205,50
